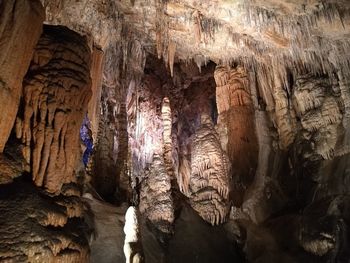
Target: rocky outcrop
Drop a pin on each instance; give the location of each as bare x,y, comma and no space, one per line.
56,91
20,29
209,182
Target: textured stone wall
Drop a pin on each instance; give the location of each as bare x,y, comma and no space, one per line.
20,29
56,91
38,228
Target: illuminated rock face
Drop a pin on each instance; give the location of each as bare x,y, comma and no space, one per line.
56,91
209,183
236,126
21,26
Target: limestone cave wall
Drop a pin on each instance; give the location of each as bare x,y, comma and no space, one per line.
233,117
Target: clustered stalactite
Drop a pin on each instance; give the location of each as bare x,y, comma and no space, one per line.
55,96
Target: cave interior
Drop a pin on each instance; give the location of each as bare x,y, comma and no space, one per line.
175,131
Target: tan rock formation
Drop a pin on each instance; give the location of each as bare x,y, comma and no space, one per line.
167,137
209,182
20,29
284,117
40,229
236,126
56,93
96,87
319,105
155,196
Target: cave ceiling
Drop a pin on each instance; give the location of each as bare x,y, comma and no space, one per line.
220,30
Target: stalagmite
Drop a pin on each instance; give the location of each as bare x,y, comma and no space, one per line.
209,181
132,244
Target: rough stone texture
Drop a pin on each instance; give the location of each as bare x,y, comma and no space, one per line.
283,104
155,196
56,91
96,19
42,228
11,162
96,88
236,126
209,183
20,29
167,137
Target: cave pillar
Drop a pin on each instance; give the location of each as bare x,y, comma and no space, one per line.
96,87
236,126
20,28
209,182
56,91
152,123
167,138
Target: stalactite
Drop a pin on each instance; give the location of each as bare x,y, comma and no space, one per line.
171,56
197,27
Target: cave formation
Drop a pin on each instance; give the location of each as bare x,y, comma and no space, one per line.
174,131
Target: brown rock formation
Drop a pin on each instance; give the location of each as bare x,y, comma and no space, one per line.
40,229
167,137
155,196
56,92
96,88
20,29
209,182
236,126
